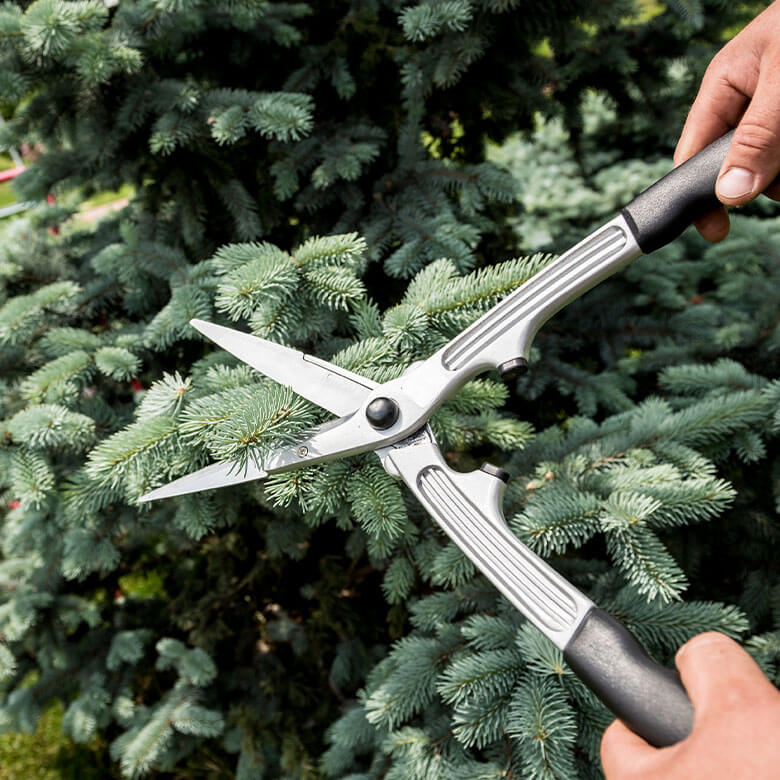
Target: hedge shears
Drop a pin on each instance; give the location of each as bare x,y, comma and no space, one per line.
391,419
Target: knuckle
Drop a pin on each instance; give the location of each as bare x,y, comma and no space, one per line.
724,64
719,62
717,71
757,134
733,71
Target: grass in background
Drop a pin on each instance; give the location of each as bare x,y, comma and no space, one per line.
7,195
48,755
125,191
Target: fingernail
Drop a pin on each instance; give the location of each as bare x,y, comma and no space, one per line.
702,640
735,183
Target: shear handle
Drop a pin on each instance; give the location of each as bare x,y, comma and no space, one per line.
467,506
649,698
660,213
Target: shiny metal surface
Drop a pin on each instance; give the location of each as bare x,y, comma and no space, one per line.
348,435
468,508
331,387
507,329
217,475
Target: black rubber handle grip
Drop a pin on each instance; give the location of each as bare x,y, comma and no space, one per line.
660,213
649,698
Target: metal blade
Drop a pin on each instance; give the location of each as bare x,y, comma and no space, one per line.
348,435
215,476
331,387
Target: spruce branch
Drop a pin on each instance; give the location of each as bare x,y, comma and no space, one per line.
117,362
411,684
425,20
51,426
145,446
543,722
259,419
165,396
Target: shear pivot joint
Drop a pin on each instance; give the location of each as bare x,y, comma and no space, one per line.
382,413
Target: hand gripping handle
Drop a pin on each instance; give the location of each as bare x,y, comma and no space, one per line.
502,337
649,698
660,213
646,696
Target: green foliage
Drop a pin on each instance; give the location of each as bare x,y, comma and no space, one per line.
47,754
345,178
545,726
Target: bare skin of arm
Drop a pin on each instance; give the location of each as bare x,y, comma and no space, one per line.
736,724
740,89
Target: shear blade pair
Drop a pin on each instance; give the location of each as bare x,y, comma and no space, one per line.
390,421
331,387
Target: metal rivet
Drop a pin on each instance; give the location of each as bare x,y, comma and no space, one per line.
303,452
511,369
495,471
382,413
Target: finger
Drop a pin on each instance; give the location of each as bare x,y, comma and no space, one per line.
720,676
717,108
773,191
714,226
624,753
753,160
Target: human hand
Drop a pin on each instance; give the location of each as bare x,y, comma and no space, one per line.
741,88
736,722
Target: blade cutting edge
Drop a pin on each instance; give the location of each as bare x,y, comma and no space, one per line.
209,478
348,435
331,387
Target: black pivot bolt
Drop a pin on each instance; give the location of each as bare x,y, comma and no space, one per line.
382,413
511,369
495,471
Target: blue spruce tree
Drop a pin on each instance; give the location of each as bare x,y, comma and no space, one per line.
346,178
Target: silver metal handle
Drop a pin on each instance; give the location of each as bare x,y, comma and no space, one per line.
468,509
508,328
649,698
504,333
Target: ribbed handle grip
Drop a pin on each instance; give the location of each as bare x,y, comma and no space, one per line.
506,331
468,509
646,696
649,698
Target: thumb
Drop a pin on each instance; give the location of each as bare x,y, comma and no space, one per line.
720,676
624,753
753,160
